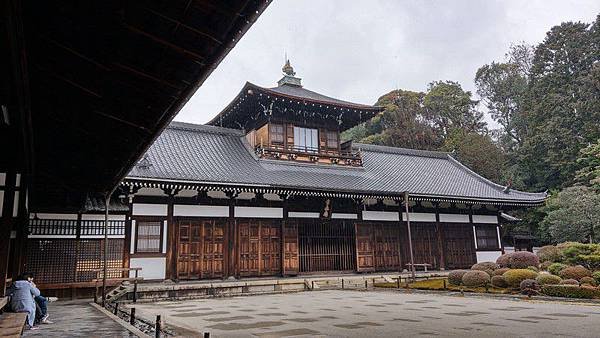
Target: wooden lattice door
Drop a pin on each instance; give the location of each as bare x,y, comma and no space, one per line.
424,241
460,246
200,249
291,261
365,251
387,247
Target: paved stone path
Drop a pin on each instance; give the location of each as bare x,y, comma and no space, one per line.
376,313
77,319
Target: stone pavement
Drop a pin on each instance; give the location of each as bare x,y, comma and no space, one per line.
375,313
77,319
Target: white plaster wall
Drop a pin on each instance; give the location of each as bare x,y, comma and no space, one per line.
419,217
454,218
100,217
487,219
146,209
488,256
295,214
201,210
338,215
259,212
152,267
380,216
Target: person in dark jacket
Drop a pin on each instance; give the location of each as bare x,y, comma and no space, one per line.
22,293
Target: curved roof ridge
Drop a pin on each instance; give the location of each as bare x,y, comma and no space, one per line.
400,151
307,94
205,128
497,186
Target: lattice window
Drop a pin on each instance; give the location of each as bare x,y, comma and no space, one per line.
332,140
148,237
53,226
276,133
57,261
96,227
487,237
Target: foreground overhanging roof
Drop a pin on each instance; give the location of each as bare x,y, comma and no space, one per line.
105,78
212,155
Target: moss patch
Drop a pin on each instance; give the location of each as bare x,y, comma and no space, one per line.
438,284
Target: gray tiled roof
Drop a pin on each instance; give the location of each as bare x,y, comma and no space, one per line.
201,153
302,93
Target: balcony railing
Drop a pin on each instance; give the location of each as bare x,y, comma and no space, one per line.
313,154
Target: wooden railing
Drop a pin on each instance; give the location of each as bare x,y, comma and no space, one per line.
98,280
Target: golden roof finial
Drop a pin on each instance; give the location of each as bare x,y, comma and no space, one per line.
288,69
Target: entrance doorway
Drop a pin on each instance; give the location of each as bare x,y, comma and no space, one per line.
200,247
326,245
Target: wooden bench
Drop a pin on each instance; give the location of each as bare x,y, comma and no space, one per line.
423,265
11,324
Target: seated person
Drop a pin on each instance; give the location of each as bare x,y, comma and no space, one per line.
22,293
42,304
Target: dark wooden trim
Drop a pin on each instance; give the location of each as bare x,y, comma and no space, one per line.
481,250
171,250
282,232
6,225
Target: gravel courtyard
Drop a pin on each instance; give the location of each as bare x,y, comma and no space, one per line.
379,313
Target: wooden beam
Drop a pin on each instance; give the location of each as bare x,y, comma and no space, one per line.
75,52
147,76
183,51
179,23
123,121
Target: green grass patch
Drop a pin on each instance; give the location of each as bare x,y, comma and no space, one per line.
438,284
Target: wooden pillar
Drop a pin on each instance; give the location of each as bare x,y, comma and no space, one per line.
171,254
283,224
440,238
6,225
230,239
128,223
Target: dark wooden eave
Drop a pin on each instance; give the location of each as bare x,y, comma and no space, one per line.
106,77
255,103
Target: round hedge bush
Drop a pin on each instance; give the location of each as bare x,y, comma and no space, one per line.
547,279
529,285
545,265
571,291
504,260
556,267
475,278
569,282
588,280
550,253
488,267
596,276
523,260
514,277
455,276
575,272
500,271
499,282
533,268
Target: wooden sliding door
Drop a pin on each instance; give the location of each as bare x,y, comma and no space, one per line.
460,246
377,247
290,249
259,247
200,249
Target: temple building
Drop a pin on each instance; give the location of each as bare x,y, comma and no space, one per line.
268,188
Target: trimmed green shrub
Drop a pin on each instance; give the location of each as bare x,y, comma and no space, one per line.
571,291
587,255
547,279
533,268
488,267
500,271
455,276
550,253
499,282
529,286
475,278
569,282
523,259
596,276
514,277
504,260
556,267
575,272
588,280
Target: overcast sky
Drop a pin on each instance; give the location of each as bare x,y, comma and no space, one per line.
360,50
